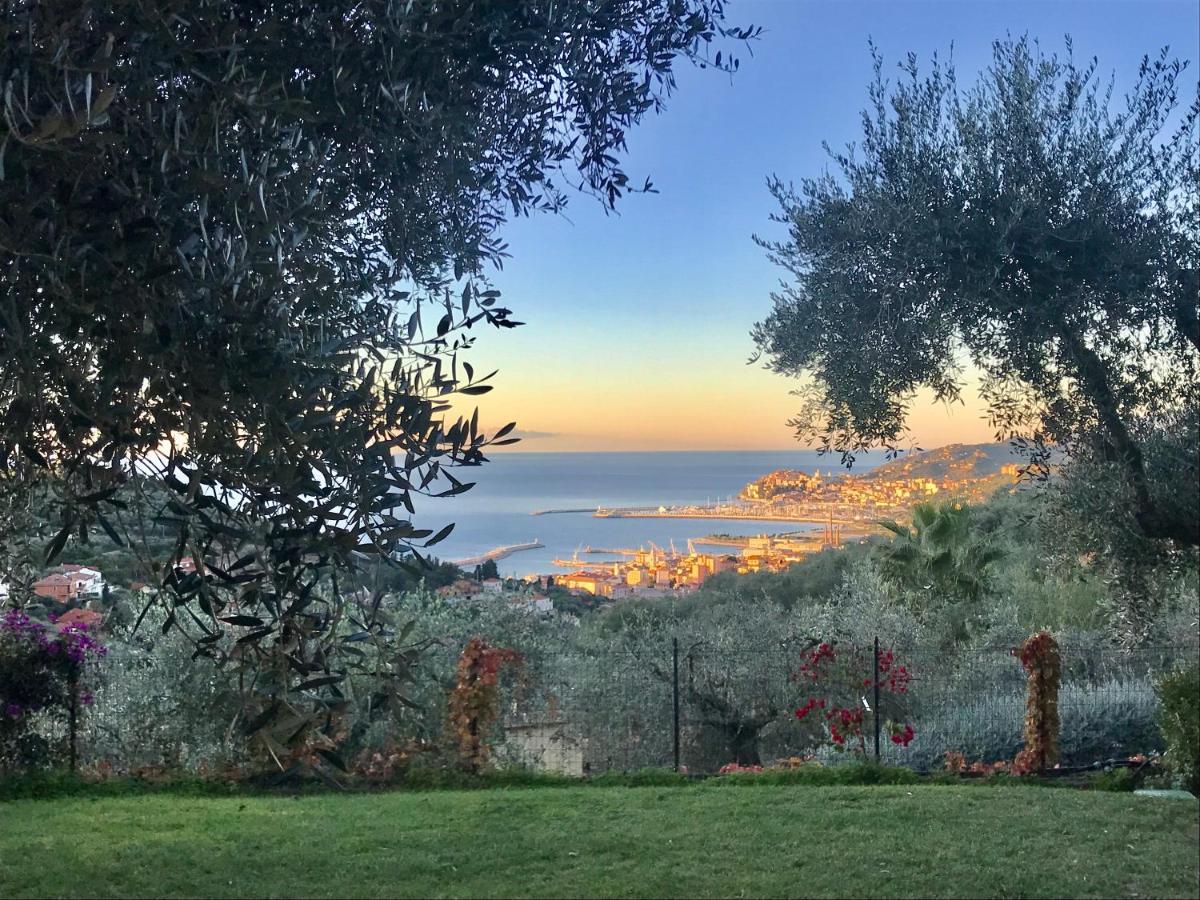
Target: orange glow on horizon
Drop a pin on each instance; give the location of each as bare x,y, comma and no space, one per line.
619,385
576,414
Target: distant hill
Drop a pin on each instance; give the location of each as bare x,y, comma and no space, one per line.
968,473
954,462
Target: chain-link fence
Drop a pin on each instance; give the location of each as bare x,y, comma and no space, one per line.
696,707
700,709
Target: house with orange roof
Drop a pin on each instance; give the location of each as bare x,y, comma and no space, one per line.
86,618
70,583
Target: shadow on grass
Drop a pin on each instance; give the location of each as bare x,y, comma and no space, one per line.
44,785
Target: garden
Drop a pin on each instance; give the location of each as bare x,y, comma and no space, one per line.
596,702
483,749
246,250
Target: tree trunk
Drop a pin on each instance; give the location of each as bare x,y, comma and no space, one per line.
715,744
1092,374
743,745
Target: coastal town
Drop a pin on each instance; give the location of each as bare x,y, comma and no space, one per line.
957,473
848,506
838,508
968,475
654,572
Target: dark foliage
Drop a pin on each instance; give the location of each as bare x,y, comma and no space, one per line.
242,246
1179,720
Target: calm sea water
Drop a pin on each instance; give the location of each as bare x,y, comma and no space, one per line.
497,510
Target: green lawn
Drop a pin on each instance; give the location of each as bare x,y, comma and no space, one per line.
697,841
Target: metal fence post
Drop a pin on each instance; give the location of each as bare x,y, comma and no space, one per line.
875,681
675,694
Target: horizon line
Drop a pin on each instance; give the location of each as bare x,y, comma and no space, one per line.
507,451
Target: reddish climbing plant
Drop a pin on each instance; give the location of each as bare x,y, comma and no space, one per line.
474,698
1040,657
840,688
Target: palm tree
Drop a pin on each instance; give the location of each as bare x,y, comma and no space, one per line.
939,556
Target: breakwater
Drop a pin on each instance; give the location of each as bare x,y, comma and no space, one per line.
498,553
700,513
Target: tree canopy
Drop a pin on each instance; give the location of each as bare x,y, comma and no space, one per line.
1030,227
242,245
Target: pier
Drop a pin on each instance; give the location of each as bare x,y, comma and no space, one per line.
714,541
554,512
576,563
498,553
818,517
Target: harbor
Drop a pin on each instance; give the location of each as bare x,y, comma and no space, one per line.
569,488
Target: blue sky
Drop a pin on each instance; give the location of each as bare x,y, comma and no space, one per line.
637,333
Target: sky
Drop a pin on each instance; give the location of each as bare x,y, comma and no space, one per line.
637,323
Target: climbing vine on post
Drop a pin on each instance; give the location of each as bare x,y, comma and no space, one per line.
1040,657
474,698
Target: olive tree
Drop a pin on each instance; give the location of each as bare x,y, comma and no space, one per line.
1032,226
737,696
242,248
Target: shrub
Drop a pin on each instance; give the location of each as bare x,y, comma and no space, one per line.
735,769
1109,719
857,772
649,777
836,676
161,709
44,785
1179,721
1117,780
39,674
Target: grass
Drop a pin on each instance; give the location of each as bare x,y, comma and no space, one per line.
45,785
696,841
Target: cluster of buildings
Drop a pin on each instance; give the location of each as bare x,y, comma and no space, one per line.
656,573
859,494
783,481
77,590
648,573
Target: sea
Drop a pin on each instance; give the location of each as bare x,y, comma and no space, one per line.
497,511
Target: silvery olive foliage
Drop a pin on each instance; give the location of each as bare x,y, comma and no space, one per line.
1032,224
1094,509
157,707
443,626
243,246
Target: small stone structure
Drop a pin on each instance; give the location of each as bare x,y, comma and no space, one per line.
545,746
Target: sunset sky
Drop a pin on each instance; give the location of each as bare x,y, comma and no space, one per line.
637,323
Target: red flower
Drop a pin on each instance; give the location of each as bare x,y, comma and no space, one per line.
805,709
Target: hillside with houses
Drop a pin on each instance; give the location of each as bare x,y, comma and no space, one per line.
958,472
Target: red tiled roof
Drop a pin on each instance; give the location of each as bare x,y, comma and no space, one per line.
86,617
